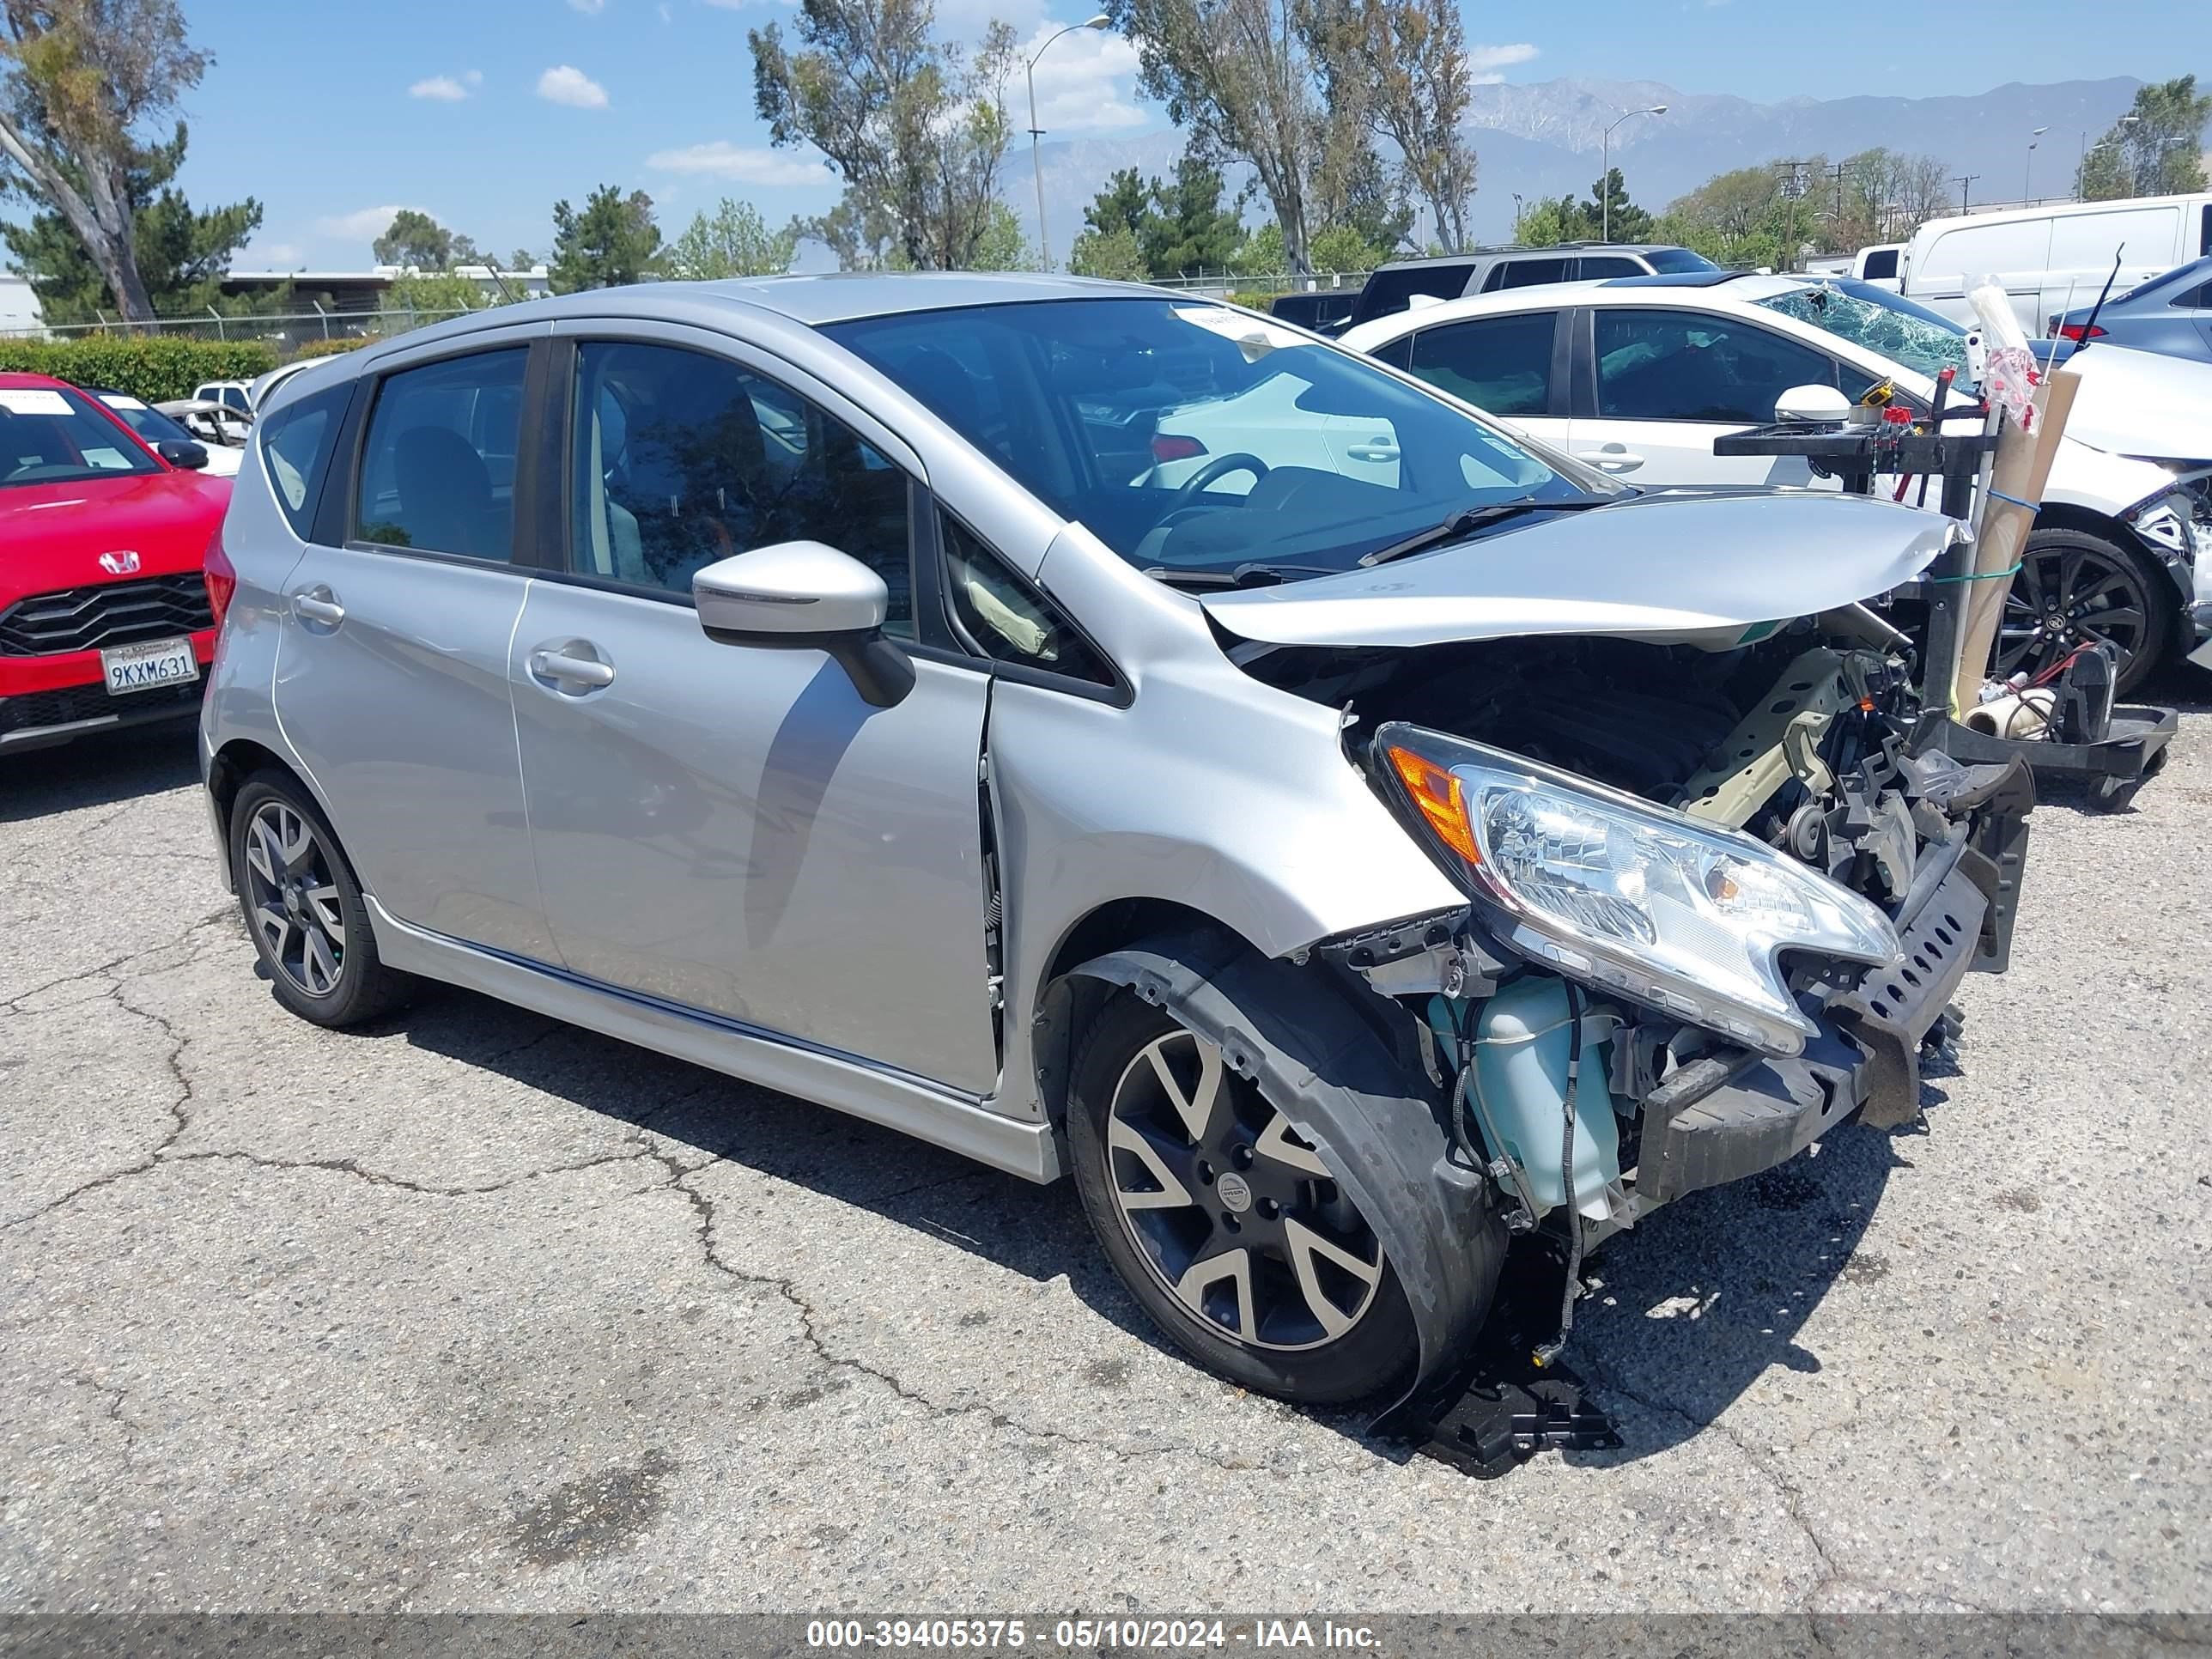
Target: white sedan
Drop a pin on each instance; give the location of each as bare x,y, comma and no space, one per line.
1637,377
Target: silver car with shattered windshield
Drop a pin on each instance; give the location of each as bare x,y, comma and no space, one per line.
1110,734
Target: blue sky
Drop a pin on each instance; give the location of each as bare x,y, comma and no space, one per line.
484,113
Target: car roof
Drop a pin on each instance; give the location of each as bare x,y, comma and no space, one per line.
808,302
1743,289
1432,260
14,380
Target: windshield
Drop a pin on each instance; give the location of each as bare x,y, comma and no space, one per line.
1674,261
1187,436
142,418
1886,324
48,435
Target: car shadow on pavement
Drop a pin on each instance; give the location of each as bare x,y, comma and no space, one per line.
1682,1316
107,769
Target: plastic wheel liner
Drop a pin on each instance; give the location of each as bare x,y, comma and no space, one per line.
1296,1033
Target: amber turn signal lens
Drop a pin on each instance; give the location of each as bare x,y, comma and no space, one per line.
1437,792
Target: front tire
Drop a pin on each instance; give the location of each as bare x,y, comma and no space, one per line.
303,908
2074,587
1229,1230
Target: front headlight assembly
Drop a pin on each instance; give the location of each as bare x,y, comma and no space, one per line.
1626,895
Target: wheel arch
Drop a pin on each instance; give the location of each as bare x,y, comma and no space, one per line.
2151,564
239,760
1306,1041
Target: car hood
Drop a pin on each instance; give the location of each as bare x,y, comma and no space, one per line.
2141,403
52,535
1678,562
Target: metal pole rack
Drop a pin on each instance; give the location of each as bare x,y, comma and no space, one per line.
2090,739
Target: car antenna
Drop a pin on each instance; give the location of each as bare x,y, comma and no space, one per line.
2089,328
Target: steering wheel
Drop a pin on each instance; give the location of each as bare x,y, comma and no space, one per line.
1219,467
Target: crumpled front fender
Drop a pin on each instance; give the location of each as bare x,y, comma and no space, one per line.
1378,1124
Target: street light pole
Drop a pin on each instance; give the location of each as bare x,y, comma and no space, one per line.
2027,178
1605,171
1036,167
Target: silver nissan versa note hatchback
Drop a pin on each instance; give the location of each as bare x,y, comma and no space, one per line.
1340,840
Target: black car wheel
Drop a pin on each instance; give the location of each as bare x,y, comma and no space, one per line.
1228,1229
2074,588
303,908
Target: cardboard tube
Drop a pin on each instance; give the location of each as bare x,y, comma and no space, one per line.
2022,468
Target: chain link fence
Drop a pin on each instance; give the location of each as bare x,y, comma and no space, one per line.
288,332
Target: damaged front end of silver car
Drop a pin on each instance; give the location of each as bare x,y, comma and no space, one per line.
1718,898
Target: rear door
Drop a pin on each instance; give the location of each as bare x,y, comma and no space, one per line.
1511,366
731,827
391,674
1661,384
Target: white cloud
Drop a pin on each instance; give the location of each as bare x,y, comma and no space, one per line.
565,84
474,77
442,87
362,225
1487,61
748,166
1080,83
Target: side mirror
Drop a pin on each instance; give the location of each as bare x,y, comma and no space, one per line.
1812,403
804,595
177,453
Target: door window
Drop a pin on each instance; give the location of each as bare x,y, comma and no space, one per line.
1686,366
438,468
1595,268
296,443
1530,273
998,615
1500,364
682,458
1881,265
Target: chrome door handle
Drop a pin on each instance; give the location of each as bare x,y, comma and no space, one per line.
1611,459
318,605
559,668
1377,451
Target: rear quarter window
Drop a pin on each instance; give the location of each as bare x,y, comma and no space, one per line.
296,444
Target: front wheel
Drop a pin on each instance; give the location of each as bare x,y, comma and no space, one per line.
2075,588
1229,1230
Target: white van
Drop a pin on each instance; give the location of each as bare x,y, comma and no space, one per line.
2051,258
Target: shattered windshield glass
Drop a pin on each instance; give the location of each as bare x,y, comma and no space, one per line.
1917,338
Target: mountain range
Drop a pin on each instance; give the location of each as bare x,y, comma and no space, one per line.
1542,138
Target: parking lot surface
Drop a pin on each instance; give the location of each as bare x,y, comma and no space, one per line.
476,1310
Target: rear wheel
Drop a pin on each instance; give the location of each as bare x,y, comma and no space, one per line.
2075,588
303,908
1228,1228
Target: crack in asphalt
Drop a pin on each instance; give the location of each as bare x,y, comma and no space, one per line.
1832,1572
703,1208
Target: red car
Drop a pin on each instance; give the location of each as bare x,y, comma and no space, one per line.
104,614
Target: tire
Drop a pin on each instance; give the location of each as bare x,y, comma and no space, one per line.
303,909
2074,586
1315,1314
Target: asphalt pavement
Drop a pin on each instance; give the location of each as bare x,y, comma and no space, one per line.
474,1311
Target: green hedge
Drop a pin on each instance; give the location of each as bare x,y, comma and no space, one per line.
331,347
151,368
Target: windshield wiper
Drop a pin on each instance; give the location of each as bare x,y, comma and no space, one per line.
1467,521
1244,575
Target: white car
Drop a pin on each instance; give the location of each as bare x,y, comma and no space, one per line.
156,428
232,394
1638,378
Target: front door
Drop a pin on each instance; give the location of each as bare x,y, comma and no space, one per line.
730,827
1669,382
391,672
